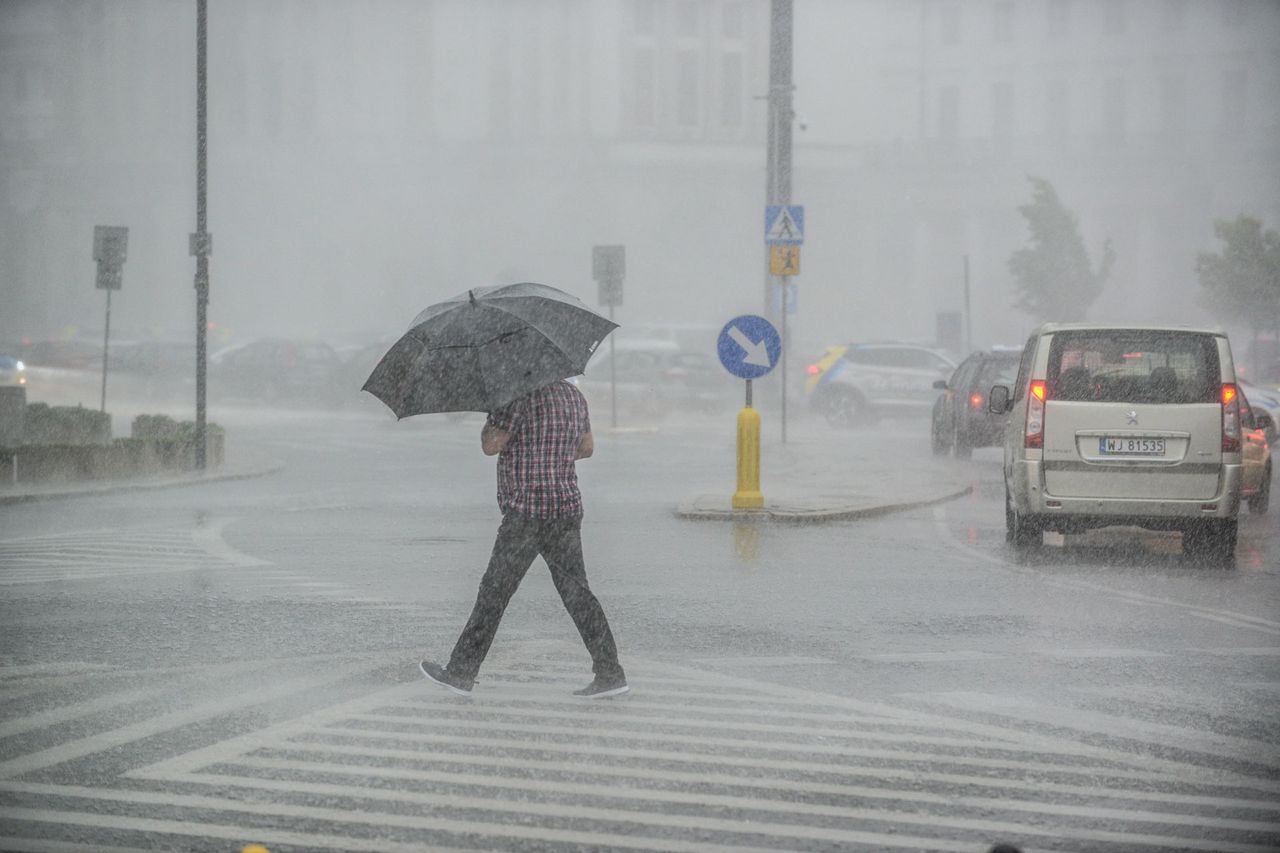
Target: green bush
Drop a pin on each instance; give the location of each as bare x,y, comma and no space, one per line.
65,425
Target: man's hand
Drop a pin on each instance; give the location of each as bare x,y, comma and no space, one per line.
586,446
492,439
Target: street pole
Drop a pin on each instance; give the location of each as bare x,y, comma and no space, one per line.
778,158
200,245
968,324
778,161
106,338
613,377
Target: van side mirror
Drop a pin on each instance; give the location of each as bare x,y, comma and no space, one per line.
940,384
998,400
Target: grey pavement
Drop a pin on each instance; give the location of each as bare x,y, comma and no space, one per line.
824,473
820,474
239,466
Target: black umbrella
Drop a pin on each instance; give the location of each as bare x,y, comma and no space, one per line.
486,347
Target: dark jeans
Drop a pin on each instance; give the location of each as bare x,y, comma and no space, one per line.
520,540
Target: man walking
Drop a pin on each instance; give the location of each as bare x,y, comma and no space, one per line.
537,438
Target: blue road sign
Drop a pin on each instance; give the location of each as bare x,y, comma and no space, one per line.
749,346
784,224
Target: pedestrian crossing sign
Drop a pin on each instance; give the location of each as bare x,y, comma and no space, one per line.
784,260
784,225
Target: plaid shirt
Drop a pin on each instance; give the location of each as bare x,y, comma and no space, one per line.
536,475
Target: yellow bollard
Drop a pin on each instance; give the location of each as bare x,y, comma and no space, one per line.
748,495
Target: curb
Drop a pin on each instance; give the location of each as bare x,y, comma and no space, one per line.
138,486
815,516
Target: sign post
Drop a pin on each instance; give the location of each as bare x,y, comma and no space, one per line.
784,233
609,269
749,347
110,248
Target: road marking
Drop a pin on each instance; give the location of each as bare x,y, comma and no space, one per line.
576,754
237,835
792,832
1239,620
1094,722
524,833
80,747
539,785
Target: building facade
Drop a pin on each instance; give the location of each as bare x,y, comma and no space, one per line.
367,158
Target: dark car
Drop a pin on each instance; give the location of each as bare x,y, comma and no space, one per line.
961,420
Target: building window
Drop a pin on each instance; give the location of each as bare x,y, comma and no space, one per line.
731,89
687,88
1175,15
948,113
1116,108
1173,103
949,24
1116,17
1059,109
1059,18
1002,110
1002,21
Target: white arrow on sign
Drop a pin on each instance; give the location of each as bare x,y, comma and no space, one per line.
757,352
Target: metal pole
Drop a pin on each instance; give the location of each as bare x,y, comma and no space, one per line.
778,158
202,223
613,376
968,316
106,337
784,359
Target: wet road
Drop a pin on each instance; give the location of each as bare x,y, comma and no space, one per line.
201,668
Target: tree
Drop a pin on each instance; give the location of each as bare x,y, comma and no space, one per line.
1242,283
1053,276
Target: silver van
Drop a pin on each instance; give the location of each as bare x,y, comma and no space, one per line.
1123,425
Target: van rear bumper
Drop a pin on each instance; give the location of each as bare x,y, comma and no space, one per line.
1028,494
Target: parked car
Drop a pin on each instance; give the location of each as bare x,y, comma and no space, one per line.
656,378
1121,425
274,370
1255,450
961,420
1268,401
12,371
866,380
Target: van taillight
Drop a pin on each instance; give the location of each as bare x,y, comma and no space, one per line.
1230,418
1033,435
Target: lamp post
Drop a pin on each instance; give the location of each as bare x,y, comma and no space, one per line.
201,242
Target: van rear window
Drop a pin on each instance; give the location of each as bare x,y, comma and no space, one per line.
1133,366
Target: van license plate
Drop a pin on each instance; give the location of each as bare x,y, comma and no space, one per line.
1131,446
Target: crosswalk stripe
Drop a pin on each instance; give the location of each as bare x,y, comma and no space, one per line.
504,731
1178,737
237,835
848,732
648,819
576,755
80,747
522,833
540,785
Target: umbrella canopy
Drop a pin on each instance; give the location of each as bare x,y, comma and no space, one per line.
486,347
